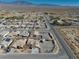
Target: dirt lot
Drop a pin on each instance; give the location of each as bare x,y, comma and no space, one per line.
71,36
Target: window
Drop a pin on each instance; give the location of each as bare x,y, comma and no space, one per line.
7,40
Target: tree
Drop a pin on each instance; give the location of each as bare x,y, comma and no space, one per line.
46,13
57,18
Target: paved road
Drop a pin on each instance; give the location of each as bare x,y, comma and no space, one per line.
33,56
63,43
62,50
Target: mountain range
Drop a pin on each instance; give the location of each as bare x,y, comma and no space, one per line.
22,2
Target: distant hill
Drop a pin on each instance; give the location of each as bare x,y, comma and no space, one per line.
22,2
17,2
48,5
27,3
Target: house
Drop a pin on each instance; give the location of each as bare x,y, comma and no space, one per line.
6,42
19,43
4,33
36,33
24,33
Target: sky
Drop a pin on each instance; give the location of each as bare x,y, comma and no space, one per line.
58,2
